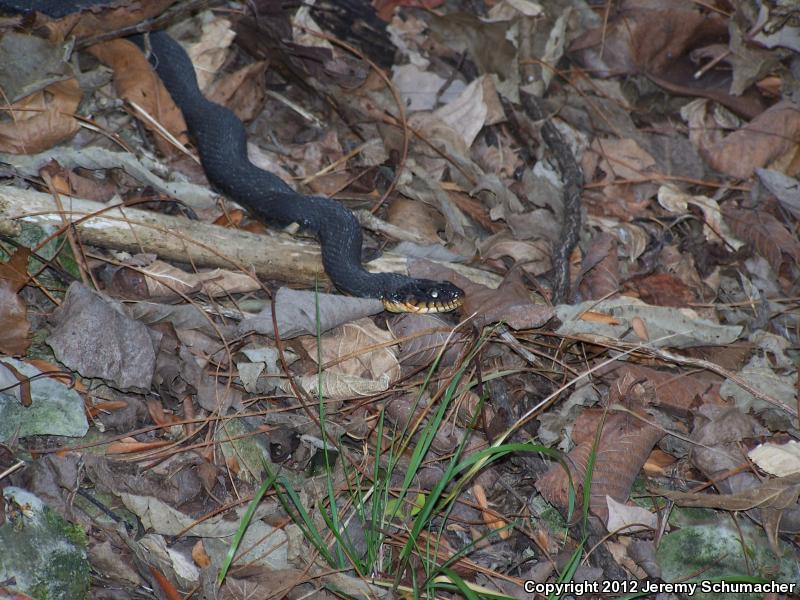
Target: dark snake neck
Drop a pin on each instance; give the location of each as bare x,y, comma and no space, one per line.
221,140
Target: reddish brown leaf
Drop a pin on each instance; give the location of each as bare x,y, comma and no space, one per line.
115,15
15,270
42,120
770,238
623,450
600,268
135,81
14,325
663,289
770,136
242,91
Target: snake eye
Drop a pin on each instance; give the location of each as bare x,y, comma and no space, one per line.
434,294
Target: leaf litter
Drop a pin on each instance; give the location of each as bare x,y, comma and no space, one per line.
153,380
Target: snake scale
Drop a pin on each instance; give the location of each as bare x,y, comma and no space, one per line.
221,141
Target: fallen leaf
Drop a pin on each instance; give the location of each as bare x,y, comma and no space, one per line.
42,120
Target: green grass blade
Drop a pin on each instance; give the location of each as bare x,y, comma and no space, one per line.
240,531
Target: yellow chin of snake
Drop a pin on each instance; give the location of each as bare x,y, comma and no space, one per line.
422,307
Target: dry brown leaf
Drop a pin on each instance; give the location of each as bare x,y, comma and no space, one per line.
15,270
770,238
714,228
600,274
42,120
335,386
627,518
354,340
490,517
511,303
23,390
675,392
777,459
531,256
163,280
14,325
115,15
622,159
241,91
427,334
660,41
135,81
768,139
663,289
128,445
416,217
476,106
386,8
209,53
624,446
200,556
774,494
640,329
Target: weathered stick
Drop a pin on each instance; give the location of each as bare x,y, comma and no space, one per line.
272,256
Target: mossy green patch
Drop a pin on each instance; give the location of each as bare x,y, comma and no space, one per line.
42,553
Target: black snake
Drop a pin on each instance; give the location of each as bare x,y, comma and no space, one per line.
222,144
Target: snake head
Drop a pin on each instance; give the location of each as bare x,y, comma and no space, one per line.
424,296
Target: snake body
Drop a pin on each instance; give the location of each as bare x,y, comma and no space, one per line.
221,141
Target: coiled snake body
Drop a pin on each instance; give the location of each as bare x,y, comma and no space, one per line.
222,144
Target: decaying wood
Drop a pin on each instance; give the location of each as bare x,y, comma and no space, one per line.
273,256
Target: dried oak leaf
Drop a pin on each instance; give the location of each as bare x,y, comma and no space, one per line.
14,325
770,238
42,120
622,451
770,136
136,82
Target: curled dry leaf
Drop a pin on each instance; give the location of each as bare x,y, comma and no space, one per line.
426,334
367,349
296,313
209,53
769,236
14,324
769,138
336,386
162,280
113,15
511,303
242,91
136,82
42,120
714,228
623,449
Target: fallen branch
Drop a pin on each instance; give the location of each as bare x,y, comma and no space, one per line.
272,256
